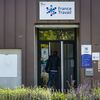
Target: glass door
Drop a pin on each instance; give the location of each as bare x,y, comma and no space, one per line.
67,71
68,68
45,50
69,64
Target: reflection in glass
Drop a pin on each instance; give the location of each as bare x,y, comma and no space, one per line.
56,34
68,64
44,58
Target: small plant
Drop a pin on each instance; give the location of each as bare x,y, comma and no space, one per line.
18,93
58,96
40,94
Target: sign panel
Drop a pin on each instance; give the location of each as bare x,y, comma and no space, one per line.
99,66
8,65
44,53
95,56
10,68
89,72
86,56
57,10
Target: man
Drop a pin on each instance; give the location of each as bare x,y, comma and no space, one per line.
52,67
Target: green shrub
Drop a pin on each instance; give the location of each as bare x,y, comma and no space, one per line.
96,93
25,93
41,94
18,93
71,96
58,96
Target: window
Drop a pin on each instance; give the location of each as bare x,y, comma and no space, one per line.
59,34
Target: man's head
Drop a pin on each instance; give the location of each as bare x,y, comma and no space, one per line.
55,53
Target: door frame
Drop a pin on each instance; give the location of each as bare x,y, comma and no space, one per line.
35,31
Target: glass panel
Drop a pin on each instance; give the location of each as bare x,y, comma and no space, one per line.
43,58
68,64
55,46
44,54
56,34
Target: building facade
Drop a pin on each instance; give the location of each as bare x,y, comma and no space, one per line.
21,24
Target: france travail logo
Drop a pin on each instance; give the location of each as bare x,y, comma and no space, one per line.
51,10
86,50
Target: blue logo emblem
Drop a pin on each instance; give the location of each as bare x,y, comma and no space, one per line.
51,10
86,50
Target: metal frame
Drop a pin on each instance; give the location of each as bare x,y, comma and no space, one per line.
36,48
62,67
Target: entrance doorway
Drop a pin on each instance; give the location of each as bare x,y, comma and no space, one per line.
64,42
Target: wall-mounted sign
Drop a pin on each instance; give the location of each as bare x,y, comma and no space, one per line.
95,56
8,65
99,66
57,10
89,72
86,56
10,68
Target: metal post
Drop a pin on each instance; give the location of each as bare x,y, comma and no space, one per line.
49,48
62,64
